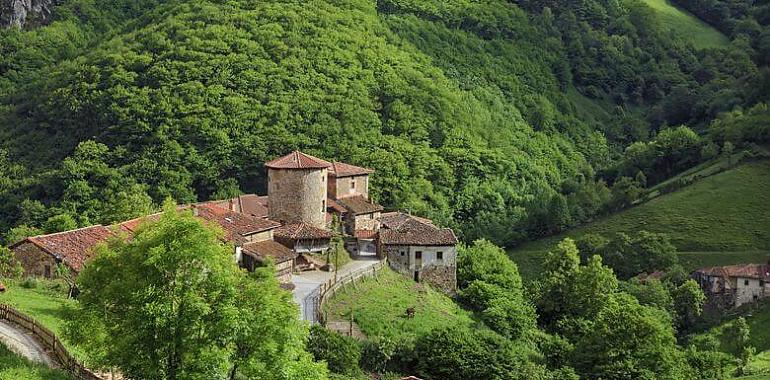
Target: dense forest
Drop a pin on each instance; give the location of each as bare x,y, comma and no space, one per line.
504,120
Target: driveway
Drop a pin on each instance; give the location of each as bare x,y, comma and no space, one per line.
23,344
308,285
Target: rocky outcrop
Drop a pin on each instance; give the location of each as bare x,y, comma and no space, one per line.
24,13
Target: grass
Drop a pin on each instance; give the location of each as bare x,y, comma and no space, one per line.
47,303
687,25
758,318
379,307
719,220
15,367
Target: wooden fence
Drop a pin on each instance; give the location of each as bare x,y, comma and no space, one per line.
331,287
50,342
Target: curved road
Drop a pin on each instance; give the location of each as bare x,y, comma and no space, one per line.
23,344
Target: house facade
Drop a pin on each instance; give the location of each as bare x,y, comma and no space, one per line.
731,286
418,249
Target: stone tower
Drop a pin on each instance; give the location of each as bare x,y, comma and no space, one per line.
296,189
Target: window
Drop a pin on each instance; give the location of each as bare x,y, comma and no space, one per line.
418,255
746,282
403,253
439,255
47,271
323,205
353,183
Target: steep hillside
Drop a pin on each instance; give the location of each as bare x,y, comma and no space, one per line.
683,23
719,220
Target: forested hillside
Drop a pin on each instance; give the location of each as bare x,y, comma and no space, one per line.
506,121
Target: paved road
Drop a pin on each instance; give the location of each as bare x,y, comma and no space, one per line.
23,344
308,284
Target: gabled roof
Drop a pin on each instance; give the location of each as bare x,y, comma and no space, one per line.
250,204
236,225
365,234
394,220
414,232
359,205
298,160
301,231
341,169
130,226
754,271
332,204
269,248
74,247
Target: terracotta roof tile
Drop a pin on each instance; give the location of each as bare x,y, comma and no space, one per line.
365,234
756,271
298,160
413,232
341,169
236,225
264,249
394,220
299,231
74,247
334,205
359,205
250,204
130,226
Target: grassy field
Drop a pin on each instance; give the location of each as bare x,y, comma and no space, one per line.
14,367
685,24
719,220
379,307
46,302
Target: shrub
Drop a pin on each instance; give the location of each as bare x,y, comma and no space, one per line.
341,353
29,283
375,354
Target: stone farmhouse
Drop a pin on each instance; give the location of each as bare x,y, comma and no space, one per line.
305,195
734,285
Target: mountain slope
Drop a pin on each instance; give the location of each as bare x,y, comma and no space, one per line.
718,220
683,23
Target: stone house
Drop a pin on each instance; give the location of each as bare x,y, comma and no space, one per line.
420,250
297,189
39,255
734,285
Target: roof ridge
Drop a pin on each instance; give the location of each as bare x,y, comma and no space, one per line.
69,231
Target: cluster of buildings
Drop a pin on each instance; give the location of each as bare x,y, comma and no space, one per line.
287,226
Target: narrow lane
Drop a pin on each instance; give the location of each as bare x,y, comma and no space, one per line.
23,344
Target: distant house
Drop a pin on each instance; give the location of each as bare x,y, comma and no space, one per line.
39,255
417,248
734,285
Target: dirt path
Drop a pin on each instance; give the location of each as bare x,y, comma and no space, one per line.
23,344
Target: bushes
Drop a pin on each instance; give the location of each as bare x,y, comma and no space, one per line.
341,353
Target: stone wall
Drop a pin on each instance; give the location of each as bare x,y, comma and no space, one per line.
34,260
443,278
298,196
283,271
343,187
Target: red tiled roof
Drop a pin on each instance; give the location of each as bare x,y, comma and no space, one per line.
300,231
298,160
756,271
359,205
334,205
366,234
394,220
235,224
413,232
341,169
74,247
250,204
269,248
132,225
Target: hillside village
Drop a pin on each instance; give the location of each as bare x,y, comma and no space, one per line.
287,227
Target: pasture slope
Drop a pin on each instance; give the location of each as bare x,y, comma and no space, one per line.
684,23
718,220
